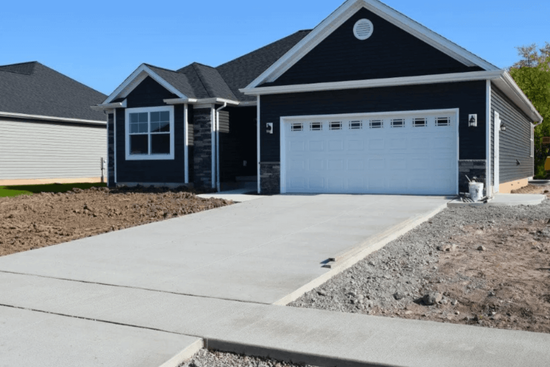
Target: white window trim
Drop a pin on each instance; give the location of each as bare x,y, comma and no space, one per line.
150,157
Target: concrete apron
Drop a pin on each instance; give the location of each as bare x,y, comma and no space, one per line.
101,279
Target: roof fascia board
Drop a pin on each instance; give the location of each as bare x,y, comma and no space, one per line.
336,19
374,83
136,78
50,118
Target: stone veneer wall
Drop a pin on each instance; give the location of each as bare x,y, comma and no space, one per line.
270,178
471,168
202,149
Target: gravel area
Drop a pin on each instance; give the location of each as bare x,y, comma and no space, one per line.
486,266
206,358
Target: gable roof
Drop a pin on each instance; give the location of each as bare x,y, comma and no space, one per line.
198,81
346,11
33,90
243,70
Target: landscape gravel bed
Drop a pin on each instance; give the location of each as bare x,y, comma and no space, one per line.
207,358
487,266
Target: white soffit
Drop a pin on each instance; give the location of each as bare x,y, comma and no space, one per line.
342,14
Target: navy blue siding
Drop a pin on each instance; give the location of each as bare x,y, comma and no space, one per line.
150,94
111,150
469,97
389,52
515,142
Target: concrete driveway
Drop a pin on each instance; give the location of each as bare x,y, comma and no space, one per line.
262,251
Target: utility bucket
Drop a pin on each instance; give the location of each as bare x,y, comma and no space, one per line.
476,191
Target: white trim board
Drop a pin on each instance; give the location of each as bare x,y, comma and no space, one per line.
347,10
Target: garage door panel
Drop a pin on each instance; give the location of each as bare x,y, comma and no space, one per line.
316,183
297,146
356,165
336,145
376,144
377,165
336,165
316,146
297,165
316,165
351,156
356,145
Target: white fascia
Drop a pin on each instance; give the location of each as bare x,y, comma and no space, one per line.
142,72
375,83
342,14
24,116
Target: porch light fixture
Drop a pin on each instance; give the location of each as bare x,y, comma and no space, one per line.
502,127
472,121
269,127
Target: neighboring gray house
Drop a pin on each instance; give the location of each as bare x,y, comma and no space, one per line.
48,133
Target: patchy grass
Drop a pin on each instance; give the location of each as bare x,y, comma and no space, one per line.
9,191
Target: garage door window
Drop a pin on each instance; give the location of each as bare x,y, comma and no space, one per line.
297,127
355,125
335,126
420,122
398,123
376,124
316,126
442,121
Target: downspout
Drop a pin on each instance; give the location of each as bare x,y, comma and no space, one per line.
218,184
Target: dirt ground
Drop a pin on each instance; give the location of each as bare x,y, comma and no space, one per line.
40,220
488,267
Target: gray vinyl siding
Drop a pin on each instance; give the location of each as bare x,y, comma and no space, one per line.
515,142
35,150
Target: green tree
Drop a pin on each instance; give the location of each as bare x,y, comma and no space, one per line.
532,74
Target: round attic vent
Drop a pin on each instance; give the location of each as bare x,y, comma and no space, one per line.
363,29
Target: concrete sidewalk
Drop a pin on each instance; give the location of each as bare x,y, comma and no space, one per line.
300,335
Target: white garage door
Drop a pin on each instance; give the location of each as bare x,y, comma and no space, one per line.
386,153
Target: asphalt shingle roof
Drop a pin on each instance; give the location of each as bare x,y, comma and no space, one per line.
203,81
243,70
34,89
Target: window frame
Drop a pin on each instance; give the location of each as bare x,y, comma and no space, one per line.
150,156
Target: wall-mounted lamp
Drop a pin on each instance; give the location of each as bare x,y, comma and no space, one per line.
472,120
502,127
269,128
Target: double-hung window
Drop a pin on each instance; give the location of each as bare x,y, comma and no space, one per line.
150,133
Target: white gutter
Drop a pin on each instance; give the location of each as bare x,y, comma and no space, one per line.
51,118
201,101
218,184
109,106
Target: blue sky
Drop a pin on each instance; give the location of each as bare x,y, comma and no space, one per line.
99,43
